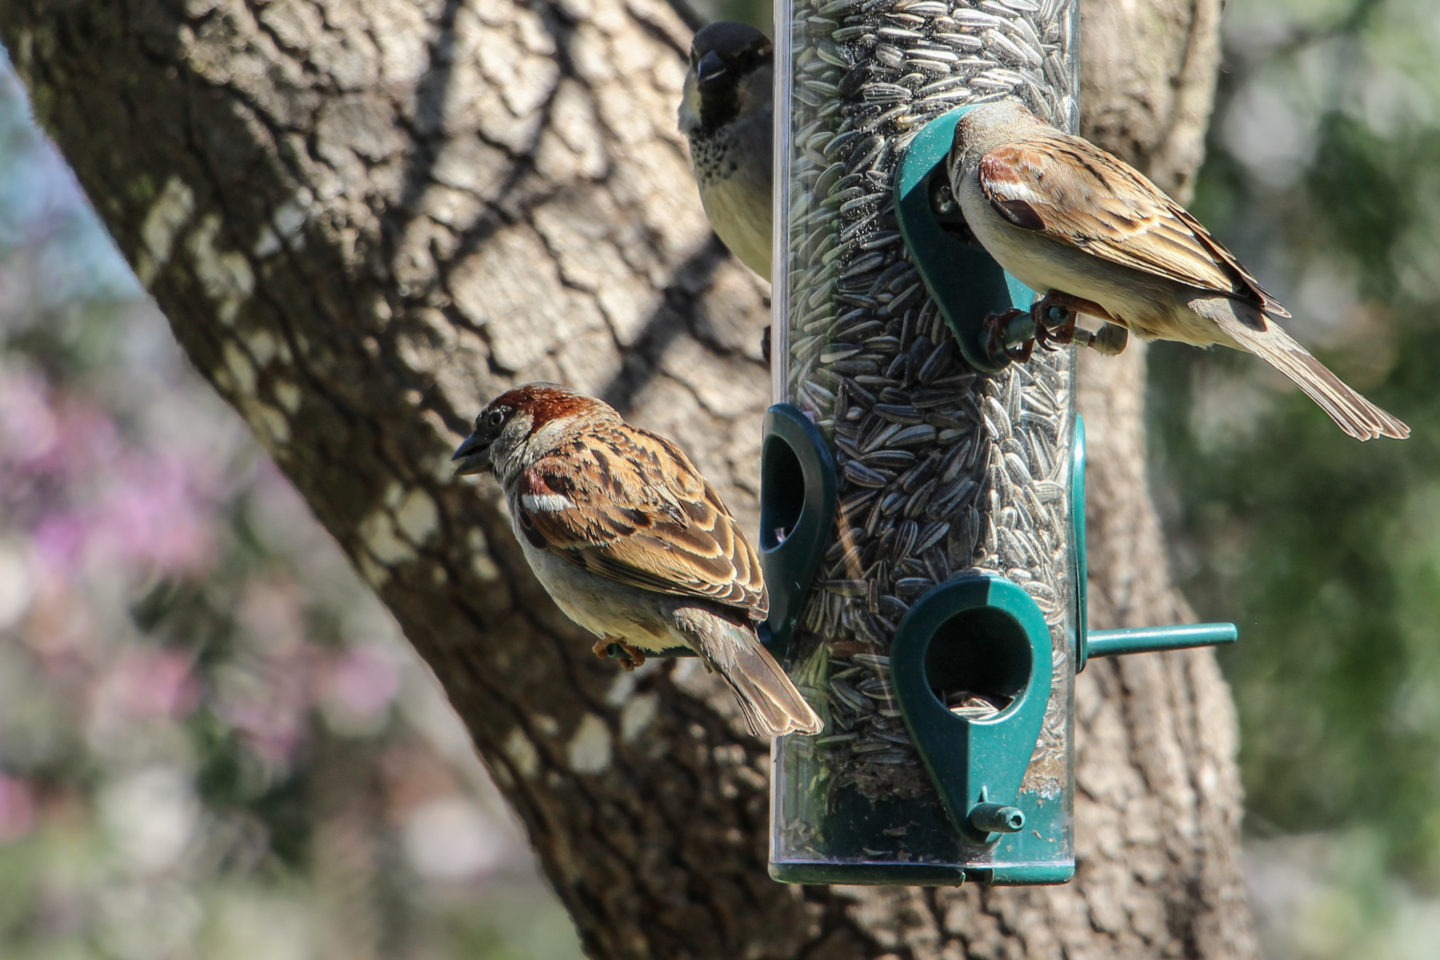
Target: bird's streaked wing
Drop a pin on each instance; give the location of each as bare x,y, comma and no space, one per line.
628,505
1076,194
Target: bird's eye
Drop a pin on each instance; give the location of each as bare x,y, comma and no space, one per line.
496,418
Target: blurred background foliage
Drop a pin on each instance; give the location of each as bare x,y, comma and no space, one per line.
1323,174
214,743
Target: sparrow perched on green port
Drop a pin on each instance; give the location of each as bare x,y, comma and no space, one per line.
1092,234
632,543
726,114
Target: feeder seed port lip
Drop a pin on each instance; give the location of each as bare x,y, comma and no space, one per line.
968,758
964,281
803,505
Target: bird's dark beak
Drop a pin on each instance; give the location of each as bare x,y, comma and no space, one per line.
472,456
710,67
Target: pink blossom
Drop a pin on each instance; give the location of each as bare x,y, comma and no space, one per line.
17,808
149,685
153,516
60,540
363,681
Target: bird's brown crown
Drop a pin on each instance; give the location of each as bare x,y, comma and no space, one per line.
545,402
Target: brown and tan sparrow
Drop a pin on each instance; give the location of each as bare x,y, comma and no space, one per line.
1092,234
632,543
726,114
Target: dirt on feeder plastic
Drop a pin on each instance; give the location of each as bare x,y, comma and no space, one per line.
941,470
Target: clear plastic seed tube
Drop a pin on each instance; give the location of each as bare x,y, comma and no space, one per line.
942,471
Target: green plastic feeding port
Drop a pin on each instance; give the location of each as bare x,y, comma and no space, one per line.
797,510
971,665
964,281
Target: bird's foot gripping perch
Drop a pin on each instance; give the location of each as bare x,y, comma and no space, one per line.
629,656
1009,336
1052,322
1056,315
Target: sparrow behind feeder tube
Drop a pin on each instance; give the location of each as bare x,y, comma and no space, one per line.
632,543
1094,236
726,115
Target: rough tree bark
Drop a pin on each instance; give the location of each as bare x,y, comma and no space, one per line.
364,219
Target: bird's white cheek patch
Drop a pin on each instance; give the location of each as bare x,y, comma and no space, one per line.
546,502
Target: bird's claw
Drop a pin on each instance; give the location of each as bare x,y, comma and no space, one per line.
1055,322
1056,315
613,648
1000,341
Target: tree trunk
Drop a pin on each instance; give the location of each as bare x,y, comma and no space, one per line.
363,220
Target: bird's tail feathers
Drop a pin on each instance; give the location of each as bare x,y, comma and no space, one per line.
768,700
1352,412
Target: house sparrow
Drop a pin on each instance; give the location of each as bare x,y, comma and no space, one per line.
632,543
726,114
1081,226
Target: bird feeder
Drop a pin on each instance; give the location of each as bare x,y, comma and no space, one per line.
921,499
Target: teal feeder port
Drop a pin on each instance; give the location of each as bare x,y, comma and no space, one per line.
959,275
981,638
937,621
796,516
